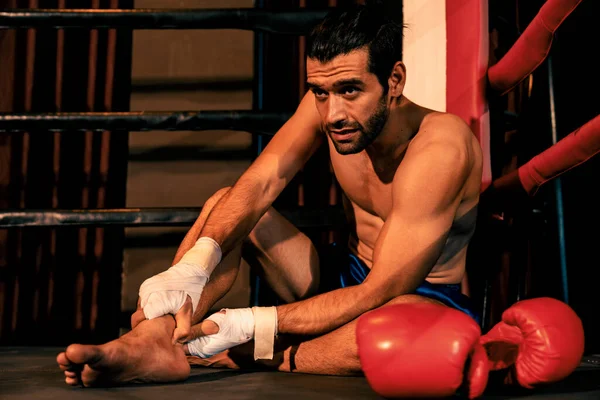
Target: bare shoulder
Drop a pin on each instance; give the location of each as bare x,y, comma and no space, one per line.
446,135
439,168
444,128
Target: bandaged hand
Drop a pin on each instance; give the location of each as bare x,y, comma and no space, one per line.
238,326
167,292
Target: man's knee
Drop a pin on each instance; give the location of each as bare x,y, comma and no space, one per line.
277,246
264,229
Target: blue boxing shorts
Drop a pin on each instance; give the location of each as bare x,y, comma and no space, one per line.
350,271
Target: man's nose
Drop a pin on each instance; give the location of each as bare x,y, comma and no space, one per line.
336,113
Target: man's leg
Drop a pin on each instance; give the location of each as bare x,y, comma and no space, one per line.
335,353
291,266
286,257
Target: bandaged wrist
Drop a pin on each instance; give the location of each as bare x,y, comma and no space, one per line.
203,258
265,330
167,292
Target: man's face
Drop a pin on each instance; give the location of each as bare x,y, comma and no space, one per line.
350,100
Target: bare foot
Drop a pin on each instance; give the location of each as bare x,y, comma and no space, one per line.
145,354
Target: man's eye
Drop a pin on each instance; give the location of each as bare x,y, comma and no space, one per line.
320,93
350,90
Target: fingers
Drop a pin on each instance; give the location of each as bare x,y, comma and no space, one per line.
205,328
137,317
183,322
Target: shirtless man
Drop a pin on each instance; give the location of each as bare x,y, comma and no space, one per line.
411,178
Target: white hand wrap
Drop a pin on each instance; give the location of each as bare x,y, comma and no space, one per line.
238,326
166,292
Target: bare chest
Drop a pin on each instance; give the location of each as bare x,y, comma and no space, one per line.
362,186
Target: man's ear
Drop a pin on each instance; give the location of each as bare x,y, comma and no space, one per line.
397,79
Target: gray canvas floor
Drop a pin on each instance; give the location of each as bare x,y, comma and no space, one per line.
31,373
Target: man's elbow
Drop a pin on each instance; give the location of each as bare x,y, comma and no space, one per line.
375,295
387,292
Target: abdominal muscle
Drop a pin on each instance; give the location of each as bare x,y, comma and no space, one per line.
363,237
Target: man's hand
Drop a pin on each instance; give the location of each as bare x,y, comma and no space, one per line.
177,290
231,327
171,292
221,331
183,321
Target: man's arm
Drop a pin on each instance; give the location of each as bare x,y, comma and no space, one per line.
427,190
177,290
238,211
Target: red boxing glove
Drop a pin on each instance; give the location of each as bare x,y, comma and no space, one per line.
420,350
538,341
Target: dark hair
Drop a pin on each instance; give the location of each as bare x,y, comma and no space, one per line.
346,29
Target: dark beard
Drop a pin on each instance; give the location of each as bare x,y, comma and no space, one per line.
365,134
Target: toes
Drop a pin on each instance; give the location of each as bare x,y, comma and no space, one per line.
72,381
62,360
204,362
83,354
70,374
65,364
220,360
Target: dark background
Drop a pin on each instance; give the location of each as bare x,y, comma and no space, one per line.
572,70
